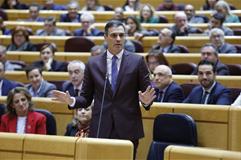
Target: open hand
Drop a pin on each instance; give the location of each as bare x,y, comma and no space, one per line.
148,96
62,97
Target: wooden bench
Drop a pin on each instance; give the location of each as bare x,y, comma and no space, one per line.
198,153
61,76
196,41
217,126
29,57
155,3
102,16
73,26
45,147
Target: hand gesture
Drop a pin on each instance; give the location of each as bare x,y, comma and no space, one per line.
62,97
148,96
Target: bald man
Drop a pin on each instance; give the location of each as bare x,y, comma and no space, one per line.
181,27
166,89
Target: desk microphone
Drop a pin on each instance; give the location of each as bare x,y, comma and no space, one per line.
102,105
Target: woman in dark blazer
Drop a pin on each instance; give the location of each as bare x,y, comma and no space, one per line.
47,62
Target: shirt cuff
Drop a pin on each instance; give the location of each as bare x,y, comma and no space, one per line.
73,104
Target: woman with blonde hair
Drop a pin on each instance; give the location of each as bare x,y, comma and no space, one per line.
20,117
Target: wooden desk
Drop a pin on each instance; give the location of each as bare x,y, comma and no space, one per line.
102,16
29,57
194,43
73,26
155,3
228,81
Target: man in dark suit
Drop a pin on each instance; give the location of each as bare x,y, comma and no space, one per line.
72,15
209,91
208,52
87,21
76,74
117,80
5,85
166,89
166,42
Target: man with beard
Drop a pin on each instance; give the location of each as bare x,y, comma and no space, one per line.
209,91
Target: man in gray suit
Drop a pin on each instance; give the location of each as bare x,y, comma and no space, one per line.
116,80
38,87
216,37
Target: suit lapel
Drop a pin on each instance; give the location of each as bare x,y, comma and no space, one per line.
102,65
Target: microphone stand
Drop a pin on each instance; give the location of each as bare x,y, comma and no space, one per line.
102,105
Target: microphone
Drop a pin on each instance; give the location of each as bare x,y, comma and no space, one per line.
102,105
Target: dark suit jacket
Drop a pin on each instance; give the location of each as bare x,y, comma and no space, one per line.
68,86
57,66
227,48
65,18
173,94
172,49
7,86
93,32
121,109
36,123
219,95
221,69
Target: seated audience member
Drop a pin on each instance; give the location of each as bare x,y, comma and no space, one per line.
34,14
93,5
216,21
209,91
20,40
119,14
209,53
168,5
6,85
134,28
50,5
88,29
13,4
76,75
165,42
72,15
191,16
47,61
166,89
216,37
209,5
20,117
50,28
132,5
8,65
155,58
79,127
147,14
97,50
223,7
3,29
38,87
237,102
181,26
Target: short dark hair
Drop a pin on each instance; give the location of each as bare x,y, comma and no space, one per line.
51,46
219,16
32,67
212,46
113,23
206,62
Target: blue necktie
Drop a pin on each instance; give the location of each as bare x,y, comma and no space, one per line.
204,97
159,96
114,72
